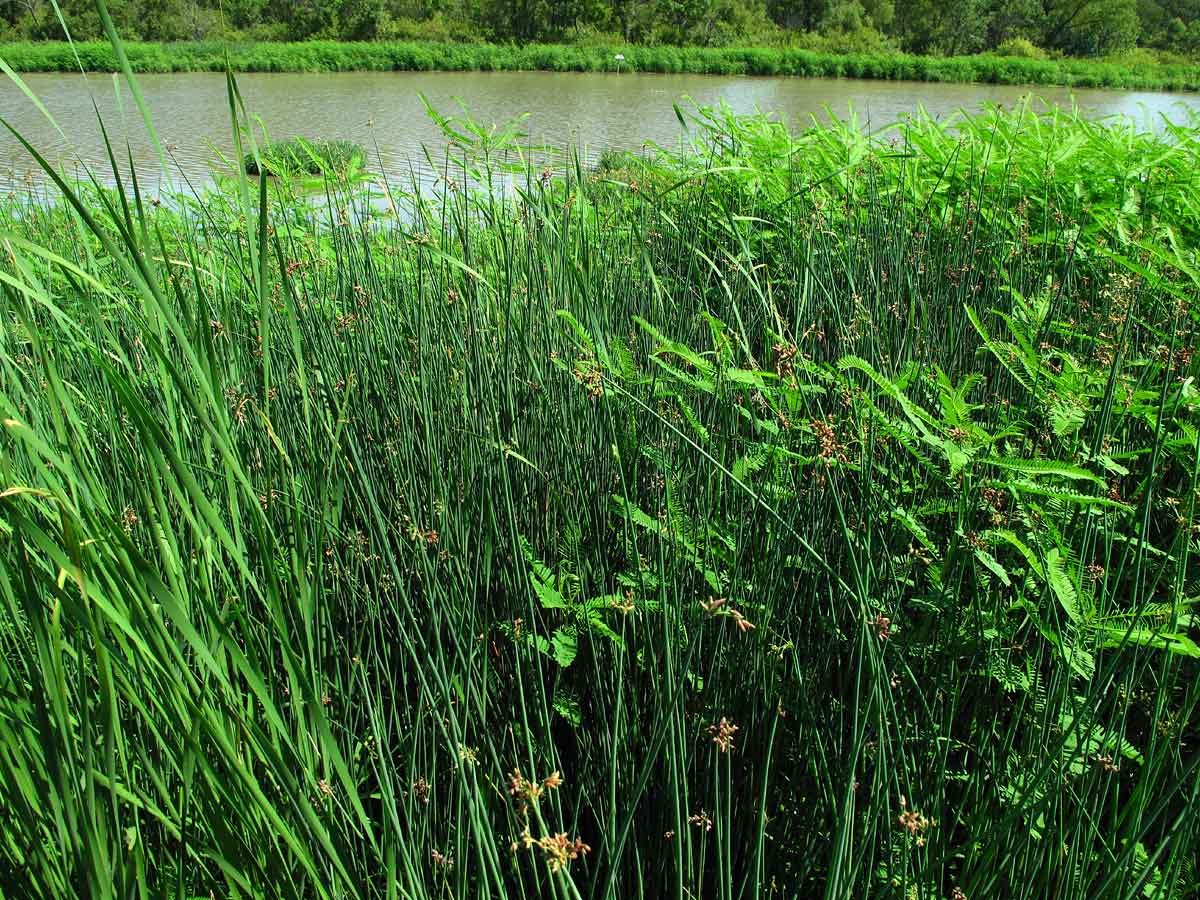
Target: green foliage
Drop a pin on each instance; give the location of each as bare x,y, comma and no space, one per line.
1021,48
800,513
1091,28
837,55
297,156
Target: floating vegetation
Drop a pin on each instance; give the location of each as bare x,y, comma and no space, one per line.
301,157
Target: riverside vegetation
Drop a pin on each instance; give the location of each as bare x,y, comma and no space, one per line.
334,56
791,514
1099,43
1087,28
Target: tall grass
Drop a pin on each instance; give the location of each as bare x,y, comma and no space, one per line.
298,156
792,515
333,56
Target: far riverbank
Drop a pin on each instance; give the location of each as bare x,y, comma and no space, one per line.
333,56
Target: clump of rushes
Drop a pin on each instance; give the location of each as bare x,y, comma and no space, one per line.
808,471
299,157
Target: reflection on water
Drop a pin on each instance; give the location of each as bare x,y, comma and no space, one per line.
384,112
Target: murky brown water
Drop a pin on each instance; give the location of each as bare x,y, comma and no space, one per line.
384,112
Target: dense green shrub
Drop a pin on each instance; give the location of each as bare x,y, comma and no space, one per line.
1019,47
438,27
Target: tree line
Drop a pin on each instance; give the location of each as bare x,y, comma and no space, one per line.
945,27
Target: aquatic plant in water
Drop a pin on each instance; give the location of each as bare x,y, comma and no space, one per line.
299,156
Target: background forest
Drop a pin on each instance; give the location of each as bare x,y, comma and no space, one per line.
940,27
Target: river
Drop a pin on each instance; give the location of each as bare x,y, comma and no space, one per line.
384,111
